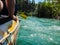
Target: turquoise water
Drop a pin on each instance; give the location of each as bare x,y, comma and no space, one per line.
39,31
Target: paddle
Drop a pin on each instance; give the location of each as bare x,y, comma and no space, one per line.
23,16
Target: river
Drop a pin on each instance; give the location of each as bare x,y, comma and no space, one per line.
38,31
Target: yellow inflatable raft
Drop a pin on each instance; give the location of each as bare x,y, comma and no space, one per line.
9,37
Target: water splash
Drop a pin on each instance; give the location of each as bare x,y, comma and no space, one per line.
35,31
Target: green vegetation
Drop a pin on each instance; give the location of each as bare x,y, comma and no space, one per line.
46,9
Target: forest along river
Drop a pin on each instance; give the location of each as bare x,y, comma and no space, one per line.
39,31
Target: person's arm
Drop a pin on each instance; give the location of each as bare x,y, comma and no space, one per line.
10,6
1,5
